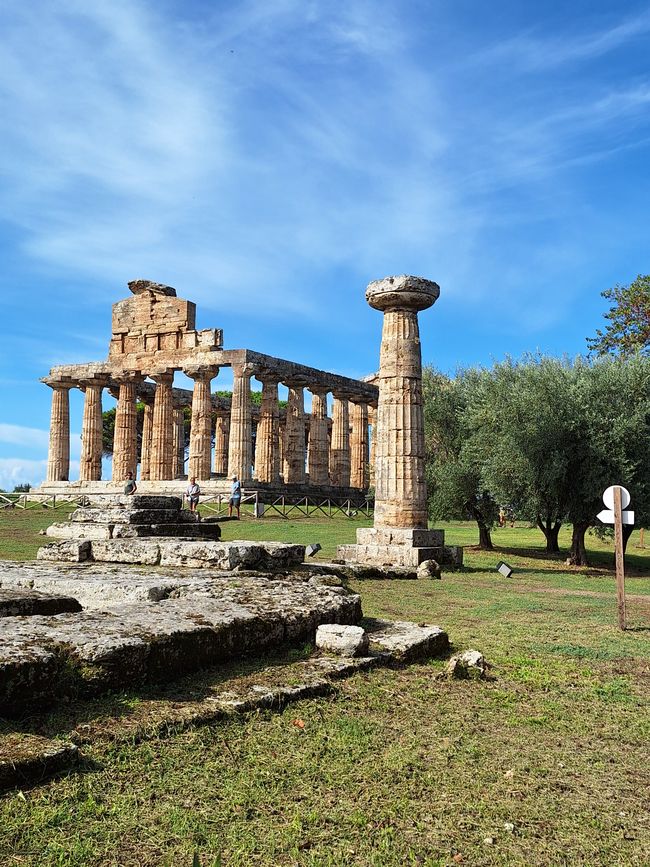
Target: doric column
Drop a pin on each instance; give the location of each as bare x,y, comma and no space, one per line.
294,436
267,454
58,456
125,442
221,439
372,421
400,486
179,441
90,464
359,446
162,461
199,466
145,445
240,448
318,454
340,445
281,441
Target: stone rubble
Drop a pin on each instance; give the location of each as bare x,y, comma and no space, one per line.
469,664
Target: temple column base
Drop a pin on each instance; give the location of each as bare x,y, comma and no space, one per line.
396,546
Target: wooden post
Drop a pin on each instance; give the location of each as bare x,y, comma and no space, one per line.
641,545
620,556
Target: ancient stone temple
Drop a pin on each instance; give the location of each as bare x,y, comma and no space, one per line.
268,447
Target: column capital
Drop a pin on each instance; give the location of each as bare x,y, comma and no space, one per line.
162,377
244,368
53,382
402,293
201,371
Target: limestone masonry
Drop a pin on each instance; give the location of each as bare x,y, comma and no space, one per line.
153,337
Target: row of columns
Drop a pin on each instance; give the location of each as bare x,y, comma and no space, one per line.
343,462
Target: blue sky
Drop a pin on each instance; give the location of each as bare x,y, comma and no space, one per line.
269,158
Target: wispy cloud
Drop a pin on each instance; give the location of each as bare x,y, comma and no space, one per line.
535,52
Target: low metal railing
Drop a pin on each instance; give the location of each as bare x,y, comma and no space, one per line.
254,504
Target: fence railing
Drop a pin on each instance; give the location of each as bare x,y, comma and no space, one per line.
254,504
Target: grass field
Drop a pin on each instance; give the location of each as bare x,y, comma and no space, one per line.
546,764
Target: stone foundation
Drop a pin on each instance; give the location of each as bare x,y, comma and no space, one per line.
140,627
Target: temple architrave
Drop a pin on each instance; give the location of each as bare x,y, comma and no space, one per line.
267,447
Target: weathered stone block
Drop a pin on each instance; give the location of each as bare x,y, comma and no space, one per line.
342,640
79,531
406,641
386,555
28,603
145,553
413,538
69,551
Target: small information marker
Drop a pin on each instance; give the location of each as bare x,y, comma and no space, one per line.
616,498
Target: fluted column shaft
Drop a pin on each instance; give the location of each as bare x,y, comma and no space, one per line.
221,439
58,456
90,465
201,426
372,421
359,446
294,437
340,445
267,454
179,442
125,445
145,446
400,487
162,461
240,447
318,455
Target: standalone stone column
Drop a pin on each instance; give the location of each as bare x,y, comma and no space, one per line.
90,465
400,535
359,446
318,455
162,461
179,441
125,442
281,441
267,453
240,449
201,426
294,436
145,445
340,445
221,439
58,456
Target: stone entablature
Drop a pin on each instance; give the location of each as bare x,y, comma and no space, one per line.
153,338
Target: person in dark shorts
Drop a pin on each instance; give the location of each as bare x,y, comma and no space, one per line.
235,497
130,486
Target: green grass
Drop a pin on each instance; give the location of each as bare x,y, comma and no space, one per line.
399,767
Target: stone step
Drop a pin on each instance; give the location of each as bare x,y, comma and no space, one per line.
18,602
188,530
117,515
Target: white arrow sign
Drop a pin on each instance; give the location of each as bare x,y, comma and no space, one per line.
607,517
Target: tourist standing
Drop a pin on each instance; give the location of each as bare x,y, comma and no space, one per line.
193,493
130,486
235,497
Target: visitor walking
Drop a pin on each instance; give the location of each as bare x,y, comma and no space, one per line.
130,486
235,497
193,493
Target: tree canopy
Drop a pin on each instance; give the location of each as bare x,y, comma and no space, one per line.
628,328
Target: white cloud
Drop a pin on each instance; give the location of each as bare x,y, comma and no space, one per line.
17,471
35,438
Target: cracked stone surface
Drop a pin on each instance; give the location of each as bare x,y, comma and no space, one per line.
145,627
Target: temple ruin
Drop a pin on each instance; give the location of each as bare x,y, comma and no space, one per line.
267,447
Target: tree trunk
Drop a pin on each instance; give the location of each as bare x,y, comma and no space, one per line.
578,555
628,529
551,531
484,538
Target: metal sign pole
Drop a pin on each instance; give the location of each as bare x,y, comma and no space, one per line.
620,556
